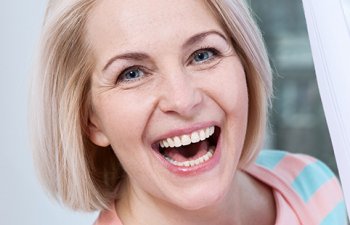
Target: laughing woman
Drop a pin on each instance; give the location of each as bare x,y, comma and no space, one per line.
154,112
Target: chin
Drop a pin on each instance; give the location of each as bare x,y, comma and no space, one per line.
203,195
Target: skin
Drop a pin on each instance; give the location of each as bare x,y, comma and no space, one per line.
173,87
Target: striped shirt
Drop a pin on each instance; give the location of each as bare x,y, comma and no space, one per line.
306,191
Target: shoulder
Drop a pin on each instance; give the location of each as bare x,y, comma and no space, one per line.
303,172
306,182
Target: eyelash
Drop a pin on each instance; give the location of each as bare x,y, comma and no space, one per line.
129,69
214,51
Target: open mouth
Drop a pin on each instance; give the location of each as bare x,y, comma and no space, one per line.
190,149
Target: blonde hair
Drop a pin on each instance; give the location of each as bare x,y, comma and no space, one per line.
75,171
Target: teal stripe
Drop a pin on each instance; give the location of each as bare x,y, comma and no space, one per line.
270,158
310,179
337,216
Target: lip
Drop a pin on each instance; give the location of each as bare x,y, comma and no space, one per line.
193,170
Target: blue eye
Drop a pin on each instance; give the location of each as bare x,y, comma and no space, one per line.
203,55
131,74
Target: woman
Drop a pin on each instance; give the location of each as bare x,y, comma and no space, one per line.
154,112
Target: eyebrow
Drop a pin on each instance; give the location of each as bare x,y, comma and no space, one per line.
199,37
139,56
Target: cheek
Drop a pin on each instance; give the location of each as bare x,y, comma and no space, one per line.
229,88
121,112
230,93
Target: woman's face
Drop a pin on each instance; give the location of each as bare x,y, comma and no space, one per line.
167,75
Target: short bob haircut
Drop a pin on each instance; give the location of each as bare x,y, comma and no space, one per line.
78,173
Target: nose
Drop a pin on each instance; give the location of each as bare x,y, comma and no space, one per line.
180,95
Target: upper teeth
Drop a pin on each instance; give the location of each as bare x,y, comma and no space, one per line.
187,139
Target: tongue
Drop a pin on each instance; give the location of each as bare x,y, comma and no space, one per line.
189,152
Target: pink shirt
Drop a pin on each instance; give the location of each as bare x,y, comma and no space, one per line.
306,191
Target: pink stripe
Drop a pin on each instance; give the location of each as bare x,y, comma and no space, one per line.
285,213
291,165
325,199
278,183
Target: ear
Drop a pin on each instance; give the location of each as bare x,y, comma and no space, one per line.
96,135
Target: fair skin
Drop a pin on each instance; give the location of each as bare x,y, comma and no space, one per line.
161,68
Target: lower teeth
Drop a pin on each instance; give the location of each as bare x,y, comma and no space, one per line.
195,162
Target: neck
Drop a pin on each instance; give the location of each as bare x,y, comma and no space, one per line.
247,202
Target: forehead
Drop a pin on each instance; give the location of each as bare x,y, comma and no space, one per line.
139,23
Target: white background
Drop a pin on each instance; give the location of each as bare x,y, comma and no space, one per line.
22,200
